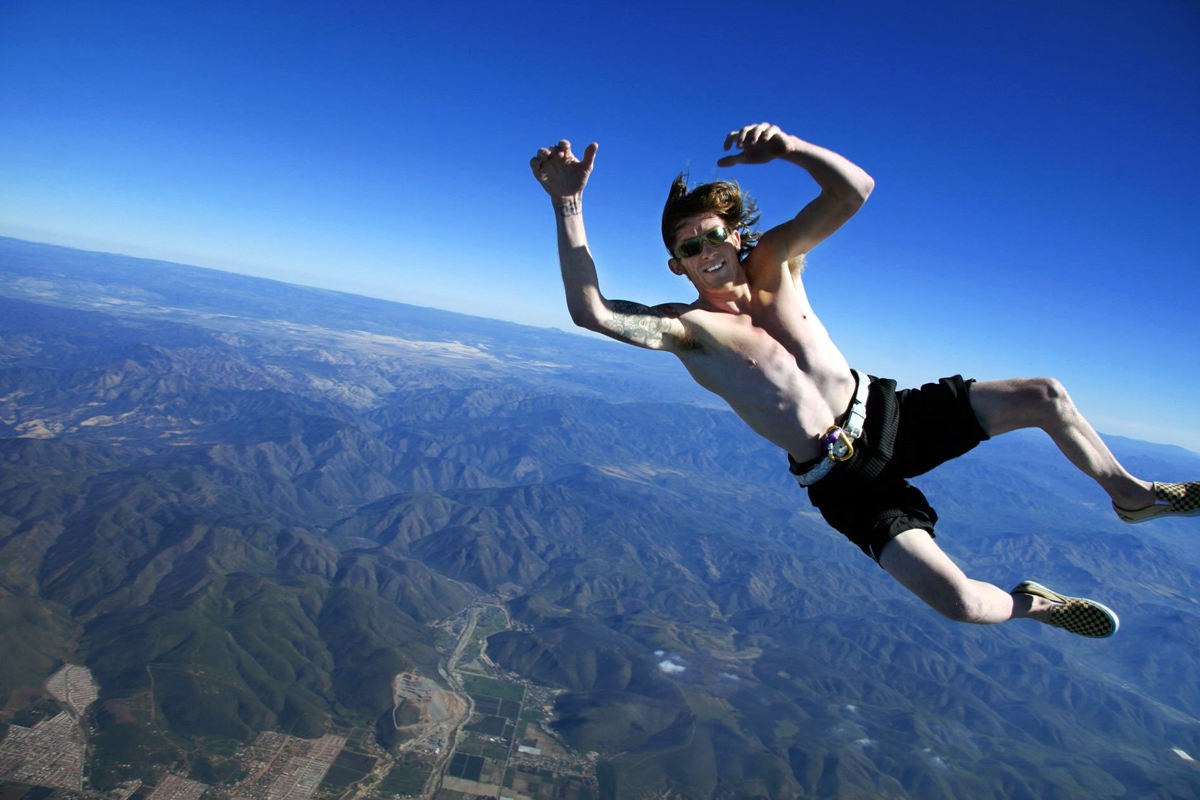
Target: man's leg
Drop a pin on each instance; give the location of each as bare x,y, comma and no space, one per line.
1003,406
914,559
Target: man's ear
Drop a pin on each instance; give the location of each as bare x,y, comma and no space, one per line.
737,235
675,266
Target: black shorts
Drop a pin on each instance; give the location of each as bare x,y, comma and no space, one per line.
867,498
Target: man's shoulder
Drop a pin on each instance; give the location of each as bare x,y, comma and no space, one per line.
696,313
694,317
676,310
768,266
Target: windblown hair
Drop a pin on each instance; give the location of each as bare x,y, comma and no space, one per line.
725,199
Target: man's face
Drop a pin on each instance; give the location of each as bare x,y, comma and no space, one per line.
712,265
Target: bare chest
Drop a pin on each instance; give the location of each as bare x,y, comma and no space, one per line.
745,354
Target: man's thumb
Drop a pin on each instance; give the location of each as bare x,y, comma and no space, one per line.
589,156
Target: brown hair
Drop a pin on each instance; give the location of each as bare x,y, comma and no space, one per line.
725,199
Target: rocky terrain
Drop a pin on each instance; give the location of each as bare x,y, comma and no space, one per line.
244,504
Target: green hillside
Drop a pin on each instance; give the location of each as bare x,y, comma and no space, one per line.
246,507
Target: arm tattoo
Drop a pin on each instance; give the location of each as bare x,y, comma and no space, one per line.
569,208
638,324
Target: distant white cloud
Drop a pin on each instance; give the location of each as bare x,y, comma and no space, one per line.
670,667
729,676
864,742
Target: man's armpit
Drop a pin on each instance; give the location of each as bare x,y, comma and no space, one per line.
641,325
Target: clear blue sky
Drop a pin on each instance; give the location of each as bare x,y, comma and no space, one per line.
1035,211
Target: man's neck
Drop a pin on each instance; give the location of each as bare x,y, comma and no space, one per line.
735,300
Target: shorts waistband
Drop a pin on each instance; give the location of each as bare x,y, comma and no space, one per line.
839,439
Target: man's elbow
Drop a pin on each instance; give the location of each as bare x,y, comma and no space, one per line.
862,190
584,316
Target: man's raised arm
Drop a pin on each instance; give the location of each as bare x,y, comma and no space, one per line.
564,177
844,186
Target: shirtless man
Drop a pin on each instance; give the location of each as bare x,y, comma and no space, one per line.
752,338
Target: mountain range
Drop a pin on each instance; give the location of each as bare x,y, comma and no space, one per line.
242,504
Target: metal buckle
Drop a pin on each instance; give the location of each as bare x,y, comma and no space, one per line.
833,437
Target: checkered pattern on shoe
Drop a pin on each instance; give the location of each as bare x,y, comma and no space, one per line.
1183,497
1077,615
1083,617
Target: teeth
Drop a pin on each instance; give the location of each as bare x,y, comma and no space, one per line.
714,267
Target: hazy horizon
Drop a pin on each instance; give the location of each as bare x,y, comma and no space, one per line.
602,340
1033,211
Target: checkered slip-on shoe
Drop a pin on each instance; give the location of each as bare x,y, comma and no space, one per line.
1178,499
1075,614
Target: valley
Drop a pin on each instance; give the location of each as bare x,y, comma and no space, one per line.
496,560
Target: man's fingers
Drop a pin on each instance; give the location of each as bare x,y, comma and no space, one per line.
752,134
756,143
749,135
556,168
589,156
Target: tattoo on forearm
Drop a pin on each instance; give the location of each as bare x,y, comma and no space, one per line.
569,208
637,324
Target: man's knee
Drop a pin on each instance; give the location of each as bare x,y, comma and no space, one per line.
960,603
1003,406
1047,400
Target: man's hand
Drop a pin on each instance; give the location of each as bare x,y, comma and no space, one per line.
759,144
844,188
559,172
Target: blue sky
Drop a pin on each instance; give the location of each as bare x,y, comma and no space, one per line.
1035,209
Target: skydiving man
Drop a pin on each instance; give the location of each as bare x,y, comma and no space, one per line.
853,440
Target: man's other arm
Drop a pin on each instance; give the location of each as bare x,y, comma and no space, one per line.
844,187
564,177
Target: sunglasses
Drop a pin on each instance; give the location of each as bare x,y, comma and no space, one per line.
690,247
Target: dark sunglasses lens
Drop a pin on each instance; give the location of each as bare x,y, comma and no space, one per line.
692,247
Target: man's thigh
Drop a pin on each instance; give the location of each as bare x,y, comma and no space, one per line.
1008,405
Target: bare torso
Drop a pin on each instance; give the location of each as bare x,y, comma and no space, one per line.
751,337
773,362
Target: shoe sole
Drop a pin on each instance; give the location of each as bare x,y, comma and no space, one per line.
1178,500
1151,512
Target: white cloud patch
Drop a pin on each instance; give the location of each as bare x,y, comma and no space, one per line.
670,667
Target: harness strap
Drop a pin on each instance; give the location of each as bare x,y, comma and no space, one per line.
839,439
857,415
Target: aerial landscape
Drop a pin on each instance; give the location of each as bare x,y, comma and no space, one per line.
319,481
263,541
